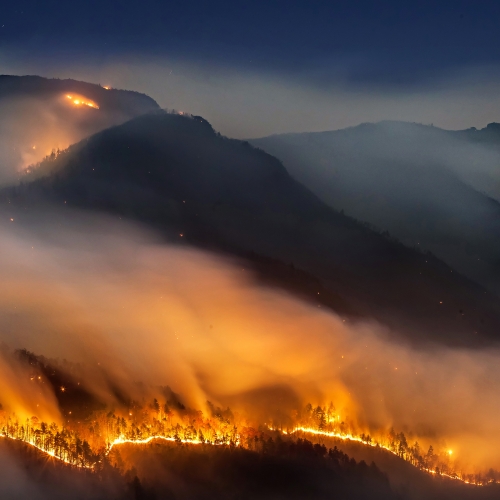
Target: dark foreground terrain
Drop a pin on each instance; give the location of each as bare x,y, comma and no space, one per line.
296,470
275,469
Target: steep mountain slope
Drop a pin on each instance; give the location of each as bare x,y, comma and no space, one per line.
175,173
38,115
411,483
419,183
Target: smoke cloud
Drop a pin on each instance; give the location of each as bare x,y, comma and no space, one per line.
98,291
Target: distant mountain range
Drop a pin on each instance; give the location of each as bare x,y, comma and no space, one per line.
177,174
430,188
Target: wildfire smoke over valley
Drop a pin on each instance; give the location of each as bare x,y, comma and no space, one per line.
126,315
288,290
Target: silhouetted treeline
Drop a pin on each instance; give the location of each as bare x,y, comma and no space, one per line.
127,102
215,453
283,469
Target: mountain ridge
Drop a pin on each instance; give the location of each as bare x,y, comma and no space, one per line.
420,183
39,116
180,176
31,85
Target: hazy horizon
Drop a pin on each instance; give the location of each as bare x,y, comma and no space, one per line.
245,103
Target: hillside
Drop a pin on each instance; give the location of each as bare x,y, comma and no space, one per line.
407,481
127,102
39,115
178,175
176,471
430,188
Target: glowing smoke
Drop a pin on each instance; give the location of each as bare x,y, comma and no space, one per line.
145,311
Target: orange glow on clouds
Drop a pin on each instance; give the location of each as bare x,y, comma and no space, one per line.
175,316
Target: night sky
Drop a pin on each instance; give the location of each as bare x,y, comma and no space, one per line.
383,47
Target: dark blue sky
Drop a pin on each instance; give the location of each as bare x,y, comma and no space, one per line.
388,42
268,66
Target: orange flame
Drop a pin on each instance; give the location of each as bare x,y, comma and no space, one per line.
81,101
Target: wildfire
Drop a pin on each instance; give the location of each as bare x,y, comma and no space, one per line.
85,445
377,444
49,452
123,440
118,441
82,101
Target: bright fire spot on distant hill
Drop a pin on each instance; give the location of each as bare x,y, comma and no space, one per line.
81,101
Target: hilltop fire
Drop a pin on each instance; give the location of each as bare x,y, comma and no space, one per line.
78,100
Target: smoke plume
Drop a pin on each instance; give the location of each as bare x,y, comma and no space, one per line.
101,292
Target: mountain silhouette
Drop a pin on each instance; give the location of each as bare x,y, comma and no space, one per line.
178,175
430,188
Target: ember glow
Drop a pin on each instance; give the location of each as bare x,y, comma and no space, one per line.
32,128
83,444
393,444
250,252
132,310
86,444
78,100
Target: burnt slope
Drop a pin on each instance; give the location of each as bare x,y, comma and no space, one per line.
176,173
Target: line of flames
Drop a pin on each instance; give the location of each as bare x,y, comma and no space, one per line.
336,435
78,101
50,453
373,444
123,440
118,441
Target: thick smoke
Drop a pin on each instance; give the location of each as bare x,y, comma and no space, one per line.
107,294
